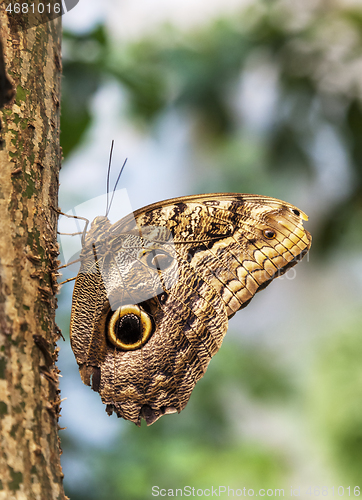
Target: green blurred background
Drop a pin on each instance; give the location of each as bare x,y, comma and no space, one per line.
263,98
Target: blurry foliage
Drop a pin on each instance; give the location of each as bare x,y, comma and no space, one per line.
82,78
318,83
334,398
200,448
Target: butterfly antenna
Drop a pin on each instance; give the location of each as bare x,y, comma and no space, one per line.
108,175
116,184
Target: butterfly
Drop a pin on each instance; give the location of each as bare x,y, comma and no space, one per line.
155,291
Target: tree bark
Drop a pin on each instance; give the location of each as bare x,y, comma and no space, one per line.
30,159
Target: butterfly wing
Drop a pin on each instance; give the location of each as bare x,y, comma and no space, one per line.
187,264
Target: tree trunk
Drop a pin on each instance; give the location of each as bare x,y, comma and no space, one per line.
30,158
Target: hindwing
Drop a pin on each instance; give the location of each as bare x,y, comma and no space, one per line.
155,290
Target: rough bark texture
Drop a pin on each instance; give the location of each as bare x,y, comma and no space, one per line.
29,165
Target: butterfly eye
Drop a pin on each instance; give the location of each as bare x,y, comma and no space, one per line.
269,234
160,260
129,328
295,212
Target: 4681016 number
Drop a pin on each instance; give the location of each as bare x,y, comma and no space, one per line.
41,8
326,491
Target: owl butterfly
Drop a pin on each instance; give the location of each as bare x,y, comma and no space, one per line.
155,290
